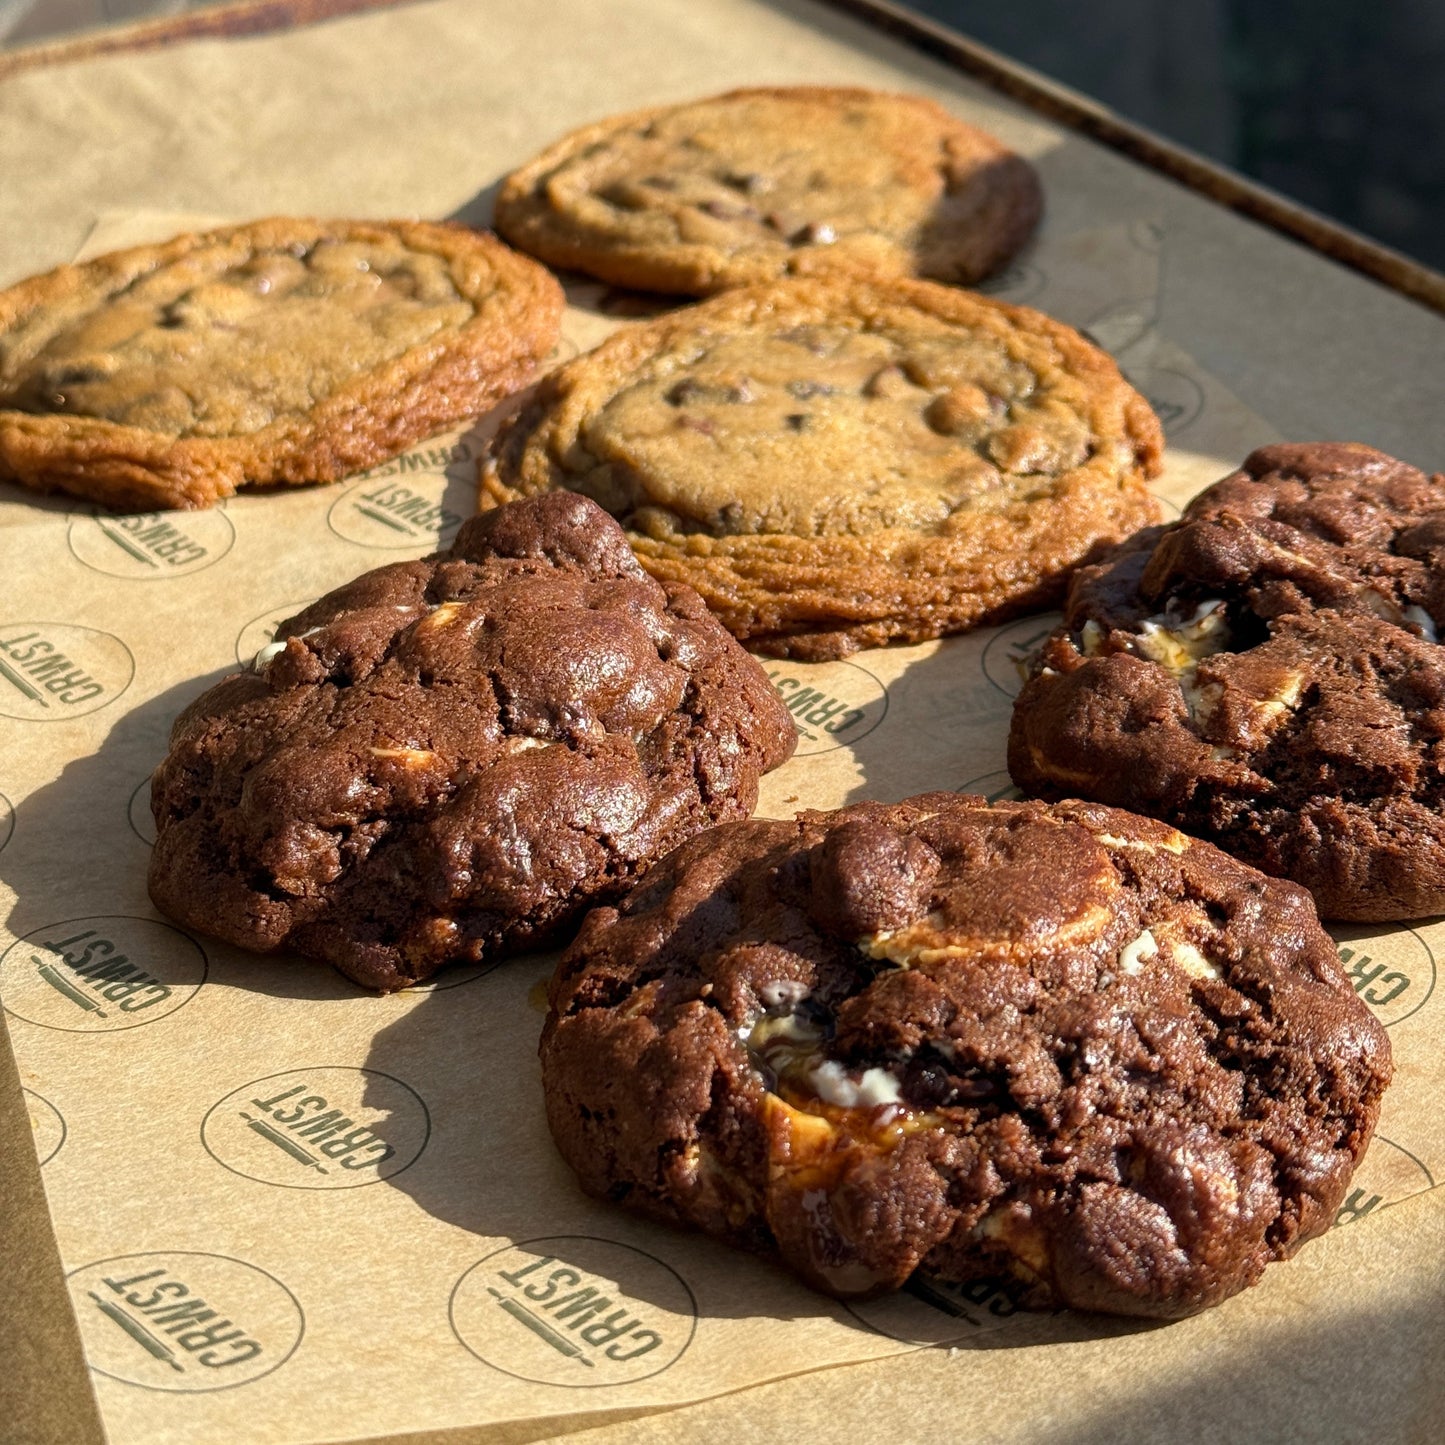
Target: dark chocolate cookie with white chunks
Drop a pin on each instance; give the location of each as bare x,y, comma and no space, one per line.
447,760
1265,673
1062,1043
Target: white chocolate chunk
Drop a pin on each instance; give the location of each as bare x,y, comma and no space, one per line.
1133,956
1422,619
441,615
833,1086
267,655
1176,842
1273,710
1201,701
1182,646
412,757
785,991
1379,604
1091,636
785,1028
1192,961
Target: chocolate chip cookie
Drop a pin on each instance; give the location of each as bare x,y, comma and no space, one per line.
840,464
1061,1043
1265,673
447,760
283,351
755,185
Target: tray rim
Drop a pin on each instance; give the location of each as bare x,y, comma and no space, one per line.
50,1395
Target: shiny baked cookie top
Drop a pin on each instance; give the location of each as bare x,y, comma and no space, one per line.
1060,1043
843,462
1266,672
283,350
755,185
229,337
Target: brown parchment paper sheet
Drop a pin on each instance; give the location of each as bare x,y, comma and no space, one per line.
293,1212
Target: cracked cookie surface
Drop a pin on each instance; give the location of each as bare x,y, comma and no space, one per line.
755,185
840,464
1060,1043
283,351
448,760
1266,673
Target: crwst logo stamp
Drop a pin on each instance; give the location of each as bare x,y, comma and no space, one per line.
1124,326
1388,1173
834,704
261,631
48,1125
1011,651
152,546
138,813
55,671
1176,397
328,1127
930,1312
402,504
996,787
574,1311
454,976
7,820
184,1321
100,975
1393,973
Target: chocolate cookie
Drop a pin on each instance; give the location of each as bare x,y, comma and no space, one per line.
756,185
283,351
840,464
1265,673
1062,1043
447,760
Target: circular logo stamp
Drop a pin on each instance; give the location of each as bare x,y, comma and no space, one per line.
55,671
929,1312
138,812
834,704
1388,1173
1121,326
327,1127
1016,283
573,1310
48,1124
1177,399
261,630
403,505
100,975
995,787
1393,972
1011,651
1147,236
7,819
152,546
454,976
184,1321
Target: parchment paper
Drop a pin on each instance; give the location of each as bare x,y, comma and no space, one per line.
294,1212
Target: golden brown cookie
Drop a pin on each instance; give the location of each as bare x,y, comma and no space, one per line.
755,185
281,351
842,463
